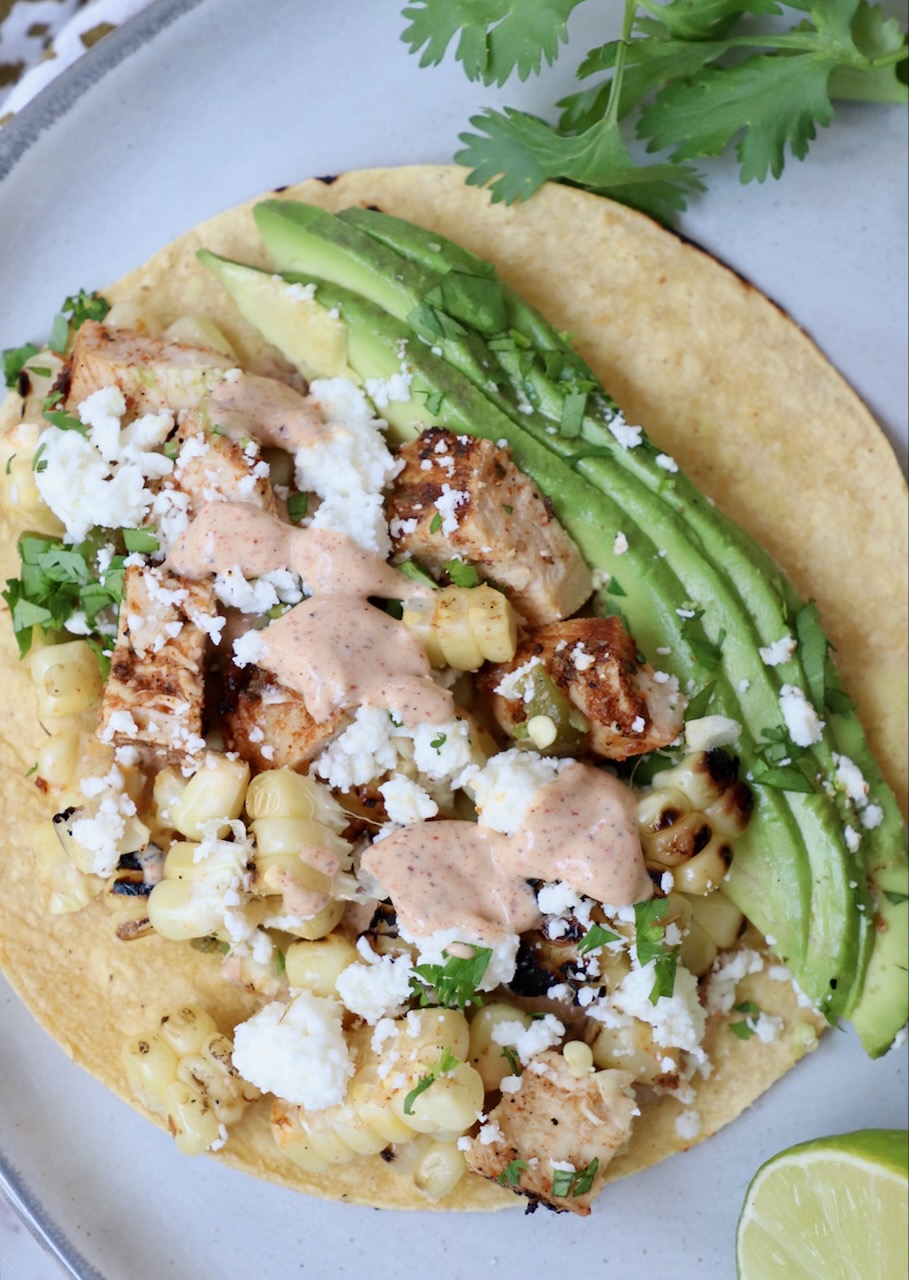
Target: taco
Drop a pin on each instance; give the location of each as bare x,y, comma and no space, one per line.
349,591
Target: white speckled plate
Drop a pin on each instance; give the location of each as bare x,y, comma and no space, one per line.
185,111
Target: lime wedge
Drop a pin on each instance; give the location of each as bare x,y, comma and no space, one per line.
833,1209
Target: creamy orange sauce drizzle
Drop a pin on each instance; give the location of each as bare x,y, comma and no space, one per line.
581,828
335,649
266,410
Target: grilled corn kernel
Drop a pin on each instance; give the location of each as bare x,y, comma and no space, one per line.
70,889
439,1170
215,793
449,1105
719,917
578,1058
58,759
67,677
184,1072
462,627
484,1054
316,965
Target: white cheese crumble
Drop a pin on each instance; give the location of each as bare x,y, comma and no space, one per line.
515,685
726,974
447,504
248,648
500,968
802,721
504,788
296,1051
668,464
619,544
849,777
778,653
406,801
628,437
377,741
378,989
527,1042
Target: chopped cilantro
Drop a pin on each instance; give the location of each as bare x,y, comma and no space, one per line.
475,300
743,1029
60,418
41,370
76,309
171,449
435,523
507,509
615,588
650,944
461,574
455,983
574,1182
596,936
573,408
14,360
412,569
39,464
439,742
447,1062
434,402
895,898
297,507
512,1059
511,1174
33,769
9,462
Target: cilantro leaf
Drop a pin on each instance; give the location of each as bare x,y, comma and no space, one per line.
596,936
574,1182
435,523
703,19
461,574
650,944
411,569
511,1174
76,309
520,152
894,898
455,983
496,36
14,359
145,541
297,507
743,1028
447,1062
883,44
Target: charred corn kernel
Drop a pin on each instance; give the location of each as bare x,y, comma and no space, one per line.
709,781
698,950
67,677
719,917
131,315
484,1054
184,1072
578,1058
198,331
291,835
661,808
450,1104
462,627
70,889
316,965
673,845
58,759
321,923
439,1170
705,871
214,794
132,838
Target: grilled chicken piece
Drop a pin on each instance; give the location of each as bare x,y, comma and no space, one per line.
154,695
153,374
269,725
212,466
593,663
460,497
555,1117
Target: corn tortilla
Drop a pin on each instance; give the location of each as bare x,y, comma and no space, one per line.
724,382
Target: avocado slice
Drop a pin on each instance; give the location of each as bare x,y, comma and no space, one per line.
813,900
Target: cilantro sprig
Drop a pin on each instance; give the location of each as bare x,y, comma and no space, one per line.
650,944
511,1174
76,309
453,984
697,78
574,1182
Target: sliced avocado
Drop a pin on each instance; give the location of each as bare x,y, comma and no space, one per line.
794,875
309,336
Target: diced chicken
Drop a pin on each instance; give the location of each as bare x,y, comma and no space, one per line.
628,707
212,466
154,695
552,1130
269,725
460,497
153,374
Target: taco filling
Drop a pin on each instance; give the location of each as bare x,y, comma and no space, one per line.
397,682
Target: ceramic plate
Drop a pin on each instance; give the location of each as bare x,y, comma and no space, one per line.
192,108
